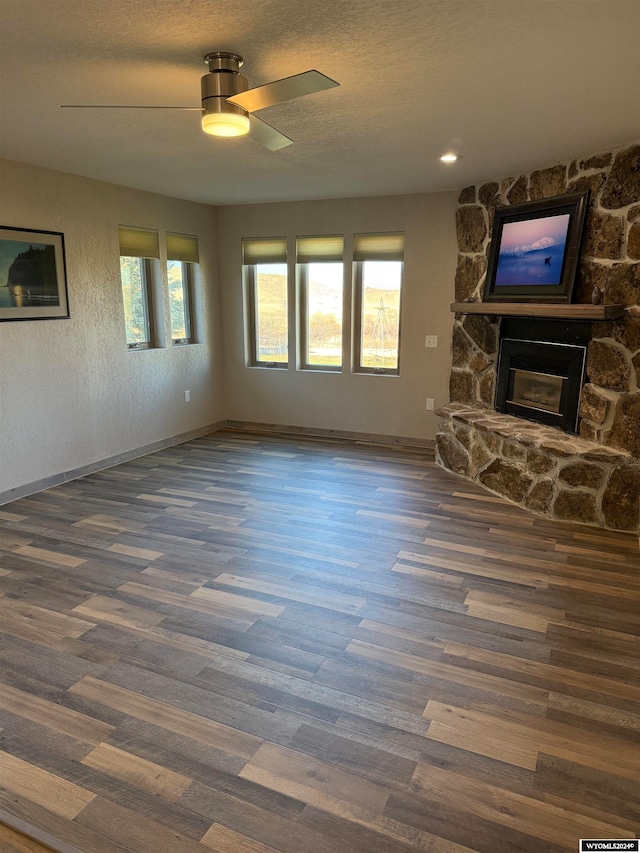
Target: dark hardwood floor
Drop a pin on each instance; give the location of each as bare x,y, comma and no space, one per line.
253,643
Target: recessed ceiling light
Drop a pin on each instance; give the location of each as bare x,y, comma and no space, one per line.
450,158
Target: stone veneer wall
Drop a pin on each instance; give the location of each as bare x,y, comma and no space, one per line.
609,272
542,469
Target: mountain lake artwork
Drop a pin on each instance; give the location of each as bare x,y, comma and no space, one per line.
532,251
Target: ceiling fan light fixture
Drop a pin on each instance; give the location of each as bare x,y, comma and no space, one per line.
450,157
219,117
227,103
225,124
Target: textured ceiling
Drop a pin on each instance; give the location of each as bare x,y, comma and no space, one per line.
511,84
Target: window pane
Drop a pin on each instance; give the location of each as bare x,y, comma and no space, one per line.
381,282
178,300
271,312
324,314
134,294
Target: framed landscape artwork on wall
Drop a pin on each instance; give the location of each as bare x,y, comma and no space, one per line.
33,281
535,249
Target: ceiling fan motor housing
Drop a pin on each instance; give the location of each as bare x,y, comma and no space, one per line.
223,81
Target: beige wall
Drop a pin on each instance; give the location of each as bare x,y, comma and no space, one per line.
70,393
361,403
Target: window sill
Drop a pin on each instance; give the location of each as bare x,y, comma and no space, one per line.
388,374
319,369
265,366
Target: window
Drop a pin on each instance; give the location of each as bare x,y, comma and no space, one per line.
378,267
266,283
320,291
180,286
137,248
182,255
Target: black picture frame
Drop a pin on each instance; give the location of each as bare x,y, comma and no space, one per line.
535,248
33,275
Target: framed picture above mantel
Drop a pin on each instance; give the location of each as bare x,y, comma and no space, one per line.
535,249
33,279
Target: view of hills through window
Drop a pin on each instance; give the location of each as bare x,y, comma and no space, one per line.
324,314
131,272
178,302
380,313
271,313
381,282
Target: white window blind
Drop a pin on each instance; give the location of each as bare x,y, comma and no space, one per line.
317,249
182,247
138,243
378,247
264,250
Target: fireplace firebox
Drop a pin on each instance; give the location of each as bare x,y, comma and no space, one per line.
541,370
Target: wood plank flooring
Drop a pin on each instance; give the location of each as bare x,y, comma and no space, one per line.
15,842
266,644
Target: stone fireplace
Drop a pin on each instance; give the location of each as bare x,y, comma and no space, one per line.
487,433
540,370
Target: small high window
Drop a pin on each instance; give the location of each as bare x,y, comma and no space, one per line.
266,289
320,299
138,248
378,269
182,257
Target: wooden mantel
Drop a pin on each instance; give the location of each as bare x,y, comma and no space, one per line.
536,309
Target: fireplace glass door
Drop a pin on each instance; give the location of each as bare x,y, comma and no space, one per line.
540,381
536,390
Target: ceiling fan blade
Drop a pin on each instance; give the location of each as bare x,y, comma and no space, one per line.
282,90
122,107
267,135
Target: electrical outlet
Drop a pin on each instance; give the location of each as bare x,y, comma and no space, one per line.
187,396
430,404
431,341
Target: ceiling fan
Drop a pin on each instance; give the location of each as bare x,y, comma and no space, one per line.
228,104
